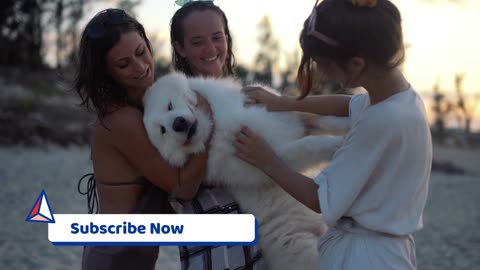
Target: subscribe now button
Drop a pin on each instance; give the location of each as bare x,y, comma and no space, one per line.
177,229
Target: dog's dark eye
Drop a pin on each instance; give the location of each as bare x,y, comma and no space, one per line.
163,129
170,106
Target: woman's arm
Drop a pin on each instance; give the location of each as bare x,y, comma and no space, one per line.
335,190
129,136
336,105
300,187
257,152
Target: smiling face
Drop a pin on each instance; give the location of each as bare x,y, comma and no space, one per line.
204,44
130,64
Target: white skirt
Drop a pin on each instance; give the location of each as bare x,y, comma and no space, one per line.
347,246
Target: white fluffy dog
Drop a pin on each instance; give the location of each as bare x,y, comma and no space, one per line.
288,231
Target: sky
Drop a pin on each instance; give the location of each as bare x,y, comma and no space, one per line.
442,35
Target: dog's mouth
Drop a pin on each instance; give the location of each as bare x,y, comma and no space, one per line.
191,132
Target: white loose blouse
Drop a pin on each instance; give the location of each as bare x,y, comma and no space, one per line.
380,175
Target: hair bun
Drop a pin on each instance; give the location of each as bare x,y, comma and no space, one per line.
364,3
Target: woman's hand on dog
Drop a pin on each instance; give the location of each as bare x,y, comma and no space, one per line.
258,95
255,150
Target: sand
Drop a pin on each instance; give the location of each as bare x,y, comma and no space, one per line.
450,239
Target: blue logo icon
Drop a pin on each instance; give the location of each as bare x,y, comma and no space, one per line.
41,211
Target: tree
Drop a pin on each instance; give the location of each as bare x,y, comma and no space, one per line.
441,108
465,106
24,23
267,56
288,75
68,15
21,33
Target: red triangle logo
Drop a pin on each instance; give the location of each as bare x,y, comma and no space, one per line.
41,211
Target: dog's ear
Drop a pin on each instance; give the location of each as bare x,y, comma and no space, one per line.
191,97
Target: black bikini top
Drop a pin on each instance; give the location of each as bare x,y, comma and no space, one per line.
152,201
91,192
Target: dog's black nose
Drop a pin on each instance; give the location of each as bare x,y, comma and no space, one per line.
180,124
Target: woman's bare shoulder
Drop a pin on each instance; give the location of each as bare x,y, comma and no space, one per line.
120,125
122,116
123,132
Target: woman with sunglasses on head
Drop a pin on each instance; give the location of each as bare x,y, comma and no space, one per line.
373,193
115,68
202,46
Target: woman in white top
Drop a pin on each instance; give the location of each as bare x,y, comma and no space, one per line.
373,193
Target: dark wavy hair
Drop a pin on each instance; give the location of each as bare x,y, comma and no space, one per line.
373,33
176,35
98,91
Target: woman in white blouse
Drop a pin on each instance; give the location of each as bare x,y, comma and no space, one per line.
373,193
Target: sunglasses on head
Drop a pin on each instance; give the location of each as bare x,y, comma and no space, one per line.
312,20
181,3
112,16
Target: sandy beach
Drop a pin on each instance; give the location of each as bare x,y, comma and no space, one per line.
450,239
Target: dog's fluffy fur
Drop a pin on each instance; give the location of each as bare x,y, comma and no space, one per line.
288,231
